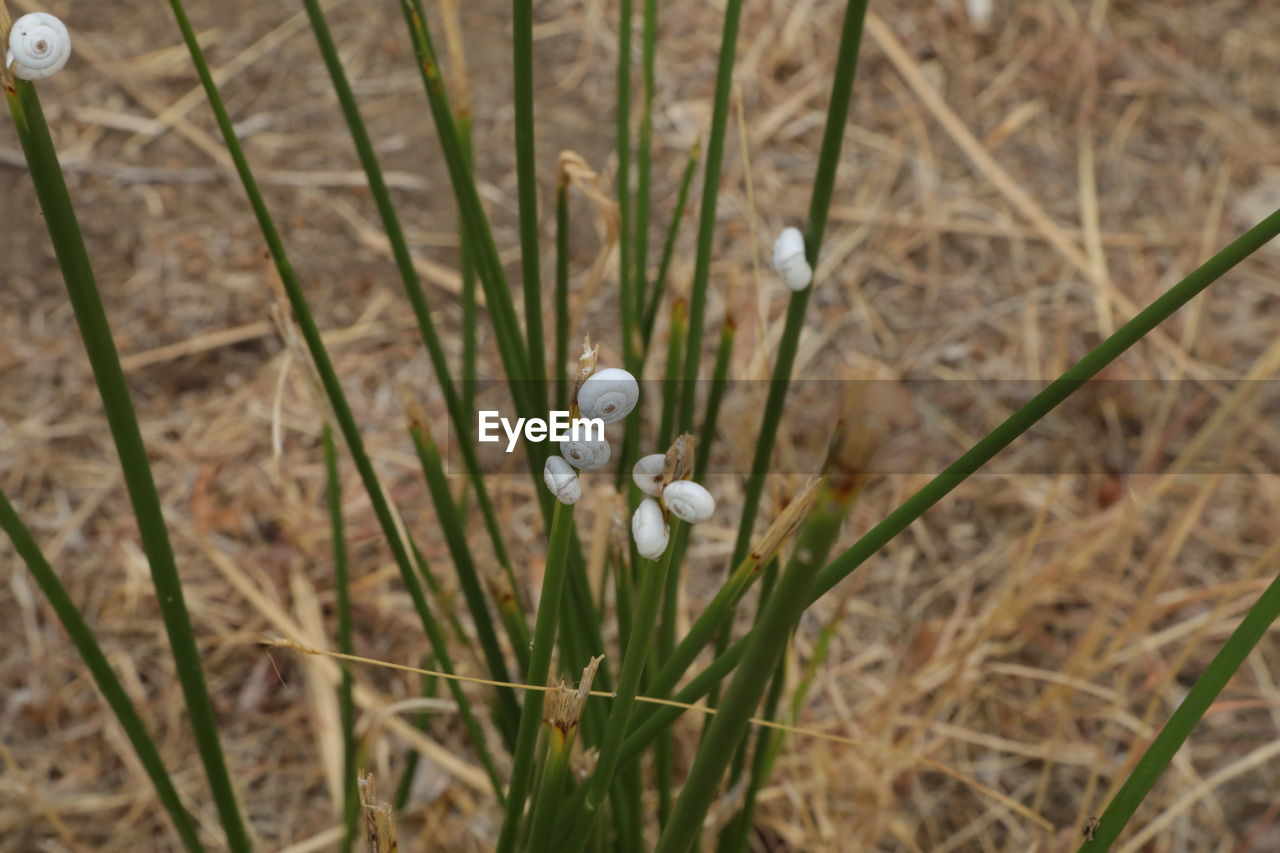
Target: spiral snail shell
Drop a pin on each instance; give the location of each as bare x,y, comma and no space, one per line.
647,473
608,394
649,529
586,455
39,45
562,480
789,260
688,501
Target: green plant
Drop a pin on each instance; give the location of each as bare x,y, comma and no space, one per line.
545,801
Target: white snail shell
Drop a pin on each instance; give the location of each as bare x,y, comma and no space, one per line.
608,394
587,455
649,529
647,473
688,501
39,45
789,259
562,480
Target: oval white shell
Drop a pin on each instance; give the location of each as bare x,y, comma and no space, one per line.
647,473
562,480
649,529
587,455
608,394
39,45
789,260
688,501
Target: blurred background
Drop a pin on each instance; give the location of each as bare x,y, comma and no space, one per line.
1017,178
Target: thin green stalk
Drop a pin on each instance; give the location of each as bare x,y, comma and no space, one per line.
458,407
346,702
764,648
819,206
721,606
626,294
769,741
715,394
315,344
510,340
671,382
852,448
644,165
652,582
623,595
544,641
469,314
551,787
707,214
668,247
701,462
443,600
117,699
455,535
980,454
95,330
734,836
767,581
561,356
528,396
440,648
412,756
527,183
1178,728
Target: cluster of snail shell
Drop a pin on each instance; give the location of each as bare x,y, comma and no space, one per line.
684,499
39,45
610,395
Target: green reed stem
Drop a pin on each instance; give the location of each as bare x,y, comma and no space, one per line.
667,631
527,183
544,641
346,702
95,330
528,396
626,292
1185,718
819,206
652,581
734,836
764,648
455,535
439,648
510,340
669,245
671,382
834,500
315,344
644,164
707,214
715,395
550,788
117,699
412,756
469,336
980,454
561,355
769,741
457,406
444,601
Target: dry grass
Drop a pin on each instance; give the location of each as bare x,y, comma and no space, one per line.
1007,195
